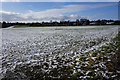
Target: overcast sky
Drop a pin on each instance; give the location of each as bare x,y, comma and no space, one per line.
46,11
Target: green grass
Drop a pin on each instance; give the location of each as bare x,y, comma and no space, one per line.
101,55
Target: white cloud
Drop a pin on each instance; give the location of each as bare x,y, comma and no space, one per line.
66,9
51,14
11,16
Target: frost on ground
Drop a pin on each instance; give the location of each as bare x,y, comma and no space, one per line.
0,52
31,53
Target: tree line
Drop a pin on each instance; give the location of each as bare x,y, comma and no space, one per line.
78,22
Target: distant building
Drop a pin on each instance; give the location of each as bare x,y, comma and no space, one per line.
110,23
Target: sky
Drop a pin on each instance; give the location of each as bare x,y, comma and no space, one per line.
56,11
59,0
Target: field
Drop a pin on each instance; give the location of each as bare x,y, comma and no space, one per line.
45,53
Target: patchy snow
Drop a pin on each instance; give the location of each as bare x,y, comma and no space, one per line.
54,45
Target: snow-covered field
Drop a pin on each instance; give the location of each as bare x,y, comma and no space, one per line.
50,47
